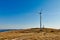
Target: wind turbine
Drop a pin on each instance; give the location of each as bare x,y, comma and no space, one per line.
40,20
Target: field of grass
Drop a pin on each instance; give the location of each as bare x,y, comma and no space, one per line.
31,34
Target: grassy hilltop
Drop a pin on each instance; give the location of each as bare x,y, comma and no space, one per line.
31,34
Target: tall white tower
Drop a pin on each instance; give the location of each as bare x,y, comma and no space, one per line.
40,20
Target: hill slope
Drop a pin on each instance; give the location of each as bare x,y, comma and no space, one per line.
31,34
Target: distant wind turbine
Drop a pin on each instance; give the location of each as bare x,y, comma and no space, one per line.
40,20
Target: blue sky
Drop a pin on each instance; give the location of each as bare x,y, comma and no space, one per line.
18,14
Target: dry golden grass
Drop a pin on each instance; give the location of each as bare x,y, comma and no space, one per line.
31,34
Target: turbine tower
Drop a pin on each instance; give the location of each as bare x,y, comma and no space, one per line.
40,20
